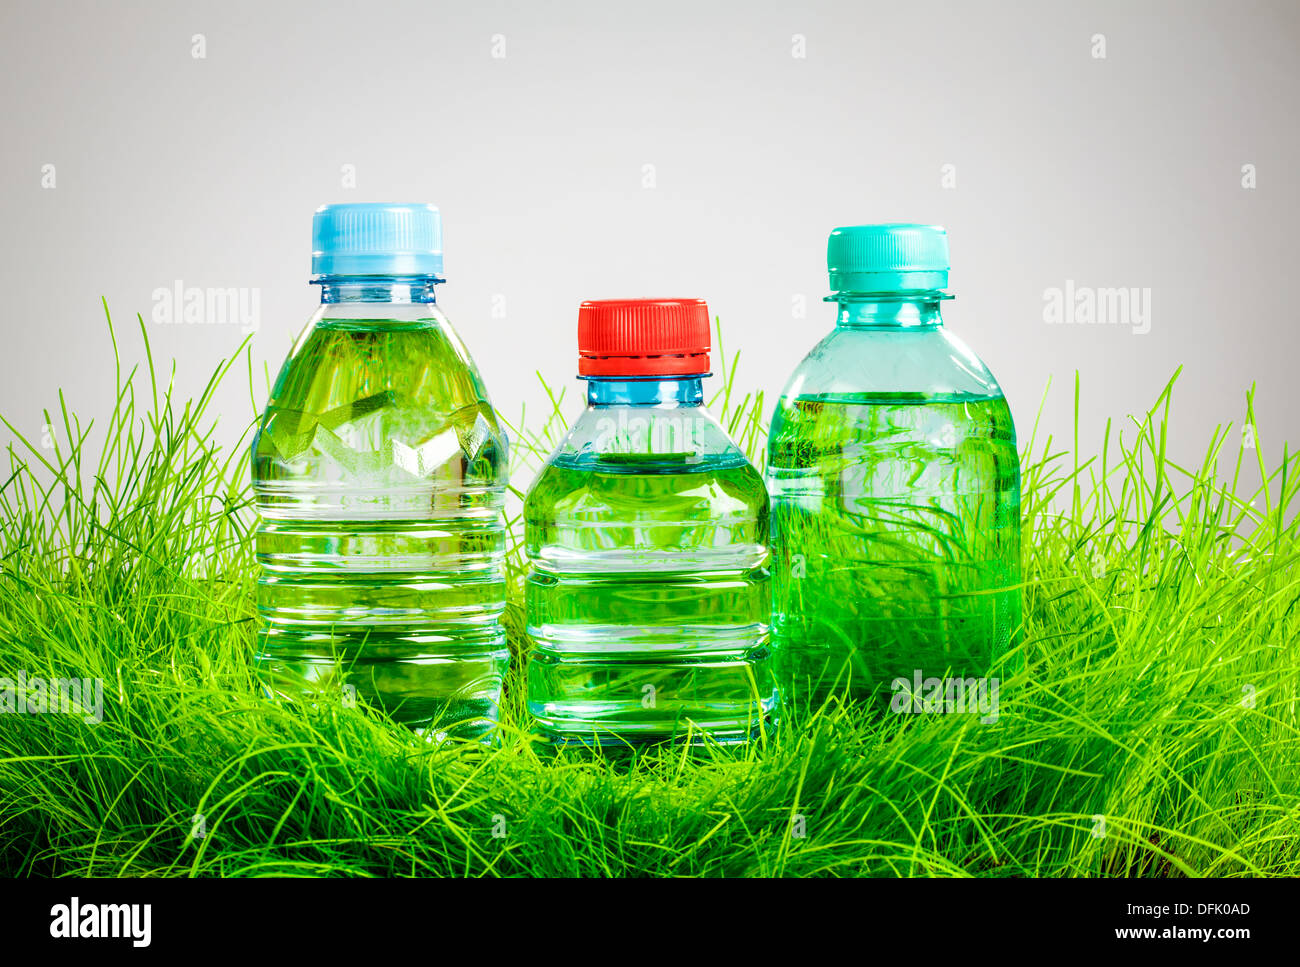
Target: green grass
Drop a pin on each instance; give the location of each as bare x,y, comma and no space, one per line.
1159,690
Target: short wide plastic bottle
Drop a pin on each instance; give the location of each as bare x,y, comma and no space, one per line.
648,598
895,487
380,470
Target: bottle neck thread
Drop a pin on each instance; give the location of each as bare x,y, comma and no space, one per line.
856,310
401,290
676,392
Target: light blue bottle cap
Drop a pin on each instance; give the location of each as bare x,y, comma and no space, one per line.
376,239
900,257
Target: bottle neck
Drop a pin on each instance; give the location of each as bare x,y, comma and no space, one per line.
397,289
862,310
679,391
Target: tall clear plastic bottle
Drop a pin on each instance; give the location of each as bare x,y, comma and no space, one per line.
647,596
895,486
380,470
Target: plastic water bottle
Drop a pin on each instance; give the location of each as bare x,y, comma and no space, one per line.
895,486
380,470
648,597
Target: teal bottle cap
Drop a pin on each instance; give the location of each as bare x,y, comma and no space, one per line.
376,238
900,257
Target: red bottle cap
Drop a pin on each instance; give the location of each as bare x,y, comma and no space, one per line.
643,337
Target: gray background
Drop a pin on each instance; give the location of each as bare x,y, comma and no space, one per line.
1123,171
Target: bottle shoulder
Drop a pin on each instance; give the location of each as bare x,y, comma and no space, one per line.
409,351
380,384
647,439
648,454
862,362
